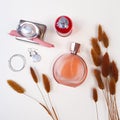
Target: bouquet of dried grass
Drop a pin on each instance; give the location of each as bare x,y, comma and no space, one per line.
48,107
105,72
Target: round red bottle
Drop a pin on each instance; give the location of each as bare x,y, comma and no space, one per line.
63,26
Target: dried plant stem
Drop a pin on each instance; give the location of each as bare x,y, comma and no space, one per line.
107,103
47,110
42,96
116,108
115,116
106,95
111,102
31,97
54,112
112,108
46,102
95,98
47,87
109,70
97,111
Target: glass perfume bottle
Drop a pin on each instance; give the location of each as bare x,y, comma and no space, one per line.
70,69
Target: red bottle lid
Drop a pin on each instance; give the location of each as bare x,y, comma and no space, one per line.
63,25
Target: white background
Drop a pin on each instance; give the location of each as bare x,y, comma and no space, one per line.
70,103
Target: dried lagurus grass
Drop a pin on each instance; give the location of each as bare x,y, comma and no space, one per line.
46,83
105,40
97,74
106,73
112,89
114,71
100,32
48,111
33,74
47,87
18,88
96,58
35,78
95,95
112,86
95,98
105,67
95,45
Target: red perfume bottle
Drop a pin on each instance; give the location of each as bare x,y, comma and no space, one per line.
70,69
63,26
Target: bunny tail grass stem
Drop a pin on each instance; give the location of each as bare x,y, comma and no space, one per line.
113,108
97,111
31,97
45,101
118,117
115,116
108,104
95,98
55,114
47,110
42,96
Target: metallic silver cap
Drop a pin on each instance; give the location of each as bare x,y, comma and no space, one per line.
28,30
63,23
74,48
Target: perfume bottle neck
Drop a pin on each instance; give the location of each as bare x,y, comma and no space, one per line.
73,53
75,47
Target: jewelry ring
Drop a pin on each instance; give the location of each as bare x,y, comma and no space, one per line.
17,62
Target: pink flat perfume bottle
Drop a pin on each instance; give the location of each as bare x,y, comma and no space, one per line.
70,69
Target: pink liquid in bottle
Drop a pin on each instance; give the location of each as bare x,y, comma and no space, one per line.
70,69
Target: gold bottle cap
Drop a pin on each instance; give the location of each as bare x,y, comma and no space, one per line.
74,48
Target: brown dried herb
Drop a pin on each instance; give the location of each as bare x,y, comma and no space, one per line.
19,89
112,86
46,109
100,32
46,83
97,74
114,71
105,40
95,45
33,74
105,66
108,72
95,95
96,58
16,86
95,98
47,87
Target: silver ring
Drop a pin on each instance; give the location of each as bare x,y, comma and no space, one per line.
12,66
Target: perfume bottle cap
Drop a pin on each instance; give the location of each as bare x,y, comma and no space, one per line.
28,30
63,25
74,48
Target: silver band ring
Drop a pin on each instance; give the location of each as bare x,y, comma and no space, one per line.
15,68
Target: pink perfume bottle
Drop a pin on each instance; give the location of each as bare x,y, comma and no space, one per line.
70,69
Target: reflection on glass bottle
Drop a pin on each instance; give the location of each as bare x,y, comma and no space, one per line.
70,69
